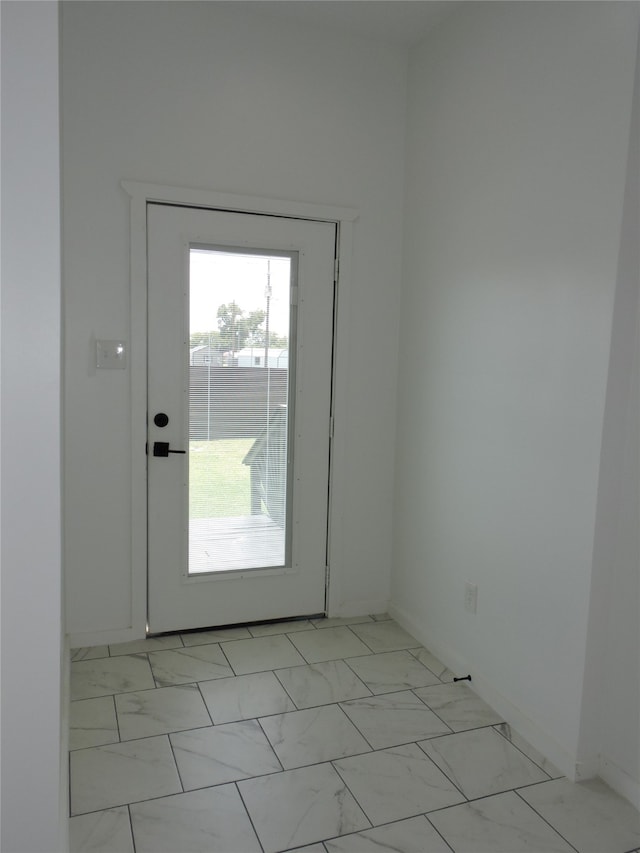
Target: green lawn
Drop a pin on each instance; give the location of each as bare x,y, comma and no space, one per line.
219,484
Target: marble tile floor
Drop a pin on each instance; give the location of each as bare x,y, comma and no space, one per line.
328,736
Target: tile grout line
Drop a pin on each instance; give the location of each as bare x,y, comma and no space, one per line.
445,774
133,837
282,767
274,671
115,711
339,704
442,720
284,687
248,813
346,785
226,657
177,766
542,817
204,702
497,730
435,828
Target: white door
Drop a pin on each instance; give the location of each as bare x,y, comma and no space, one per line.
240,344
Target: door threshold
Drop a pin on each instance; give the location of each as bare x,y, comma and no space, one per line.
238,625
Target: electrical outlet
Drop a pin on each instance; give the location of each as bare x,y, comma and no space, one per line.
470,597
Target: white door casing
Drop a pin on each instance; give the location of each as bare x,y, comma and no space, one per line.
139,195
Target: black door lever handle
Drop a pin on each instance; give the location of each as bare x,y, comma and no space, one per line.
161,448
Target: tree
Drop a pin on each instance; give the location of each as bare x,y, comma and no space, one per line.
238,329
210,338
232,326
277,341
254,321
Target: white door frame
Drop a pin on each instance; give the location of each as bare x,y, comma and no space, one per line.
140,195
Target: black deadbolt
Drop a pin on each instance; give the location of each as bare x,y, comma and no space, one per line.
161,420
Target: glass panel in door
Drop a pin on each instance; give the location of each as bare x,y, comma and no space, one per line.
241,334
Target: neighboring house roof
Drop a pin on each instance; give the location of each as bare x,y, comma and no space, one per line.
251,351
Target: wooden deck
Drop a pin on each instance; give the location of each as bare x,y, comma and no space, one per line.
231,544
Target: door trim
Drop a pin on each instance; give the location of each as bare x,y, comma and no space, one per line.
140,195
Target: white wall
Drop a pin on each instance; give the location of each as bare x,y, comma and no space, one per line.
519,117
33,700
610,727
209,95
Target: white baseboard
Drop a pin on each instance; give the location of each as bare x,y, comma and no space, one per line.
65,699
620,781
361,607
516,717
587,769
104,638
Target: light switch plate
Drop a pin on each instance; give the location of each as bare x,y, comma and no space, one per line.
111,355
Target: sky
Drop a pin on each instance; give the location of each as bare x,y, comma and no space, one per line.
219,277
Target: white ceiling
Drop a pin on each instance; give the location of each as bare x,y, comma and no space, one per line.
402,22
